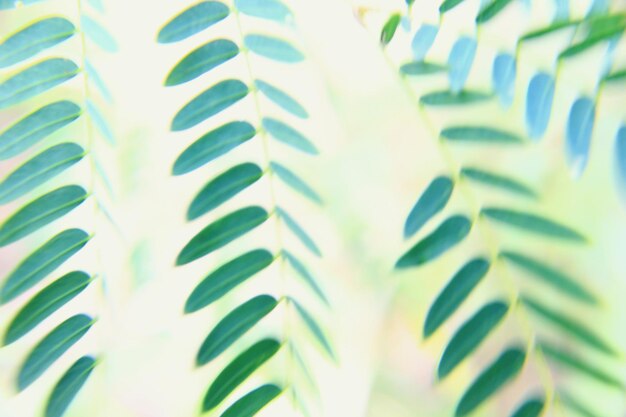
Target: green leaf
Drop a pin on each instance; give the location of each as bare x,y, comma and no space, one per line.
389,29
289,136
253,402
554,27
601,29
52,347
491,10
533,224
36,126
573,403
449,233
616,76
209,103
46,302
238,371
470,335
36,79
315,329
39,169
42,262
455,292
202,60
227,277
273,48
449,5
223,187
33,39
12,4
557,279
530,408
297,230
479,134
448,98
40,212
233,326
508,364
265,9
193,20
281,99
430,202
295,182
304,273
498,181
213,145
98,34
422,68
68,386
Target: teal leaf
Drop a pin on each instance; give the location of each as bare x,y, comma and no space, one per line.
98,34
491,10
288,135
539,104
100,122
503,78
98,5
39,169
273,48
449,98
620,159
422,68
281,99
297,230
449,233
212,145
578,134
304,273
234,325
498,181
193,20
423,40
389,29
202,60
11,4
315,329
561,11
227,277
460,62
431,202
295,182
209,103
449,5
265,9
94,77
530,408
68,386
253,402
46,302
35,38
479,134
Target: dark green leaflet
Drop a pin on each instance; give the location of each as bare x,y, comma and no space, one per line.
297,230
264,9
448,98
304,273
457,290
33,39
288,135
470,335
42,262
52,347
530,408
202,60
449,5
573,403
193,20
389,29
98,34
227,277
551,276
213,145
44,303
233,326
315,329
508,364
431,202
68,386
208,103
36,126
238,371
223,187
39,169
491,10
498,181
601,29
273,48
282,99
36,79
533,223
615,76
295,182
422,68
40,212
556,26
253,402
479,134
449,233
222,232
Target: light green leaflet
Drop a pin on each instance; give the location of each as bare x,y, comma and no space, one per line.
42,262
193,20
431,202
238,371
497,181
530,408
68,386
457,290
571,402
470,335
36,126
601,29
281,99
532,223
44,303
288,135
233,326
297,230
223,187
212,101
272,48
227,277
422,68
40,212
36,79
449,5
98,34
479,134
304,273
265,9
448,98
39,169
505,367
491,10
315,329
202,60
389,29
213,145
556,26
33,39
295,182
253,402
449,233
52,347
616,76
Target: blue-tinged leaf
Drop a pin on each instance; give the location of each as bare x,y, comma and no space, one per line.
491,10
295,182
460,62
598,7
202,60
94,77
68,386
423,40
251,403
97,4
389,29
539,104
620,160
273,48
304,273
10,4
227,277
52,347
431,202
503,75
193,20
100,122
530,408
578,134
35,38
449,5
282,99
501,182
213,145
422,68
315,329
42,262
265,9
36,79
98,34
561,10
297,230
479,134
449,98
40,212
288,135
212,101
